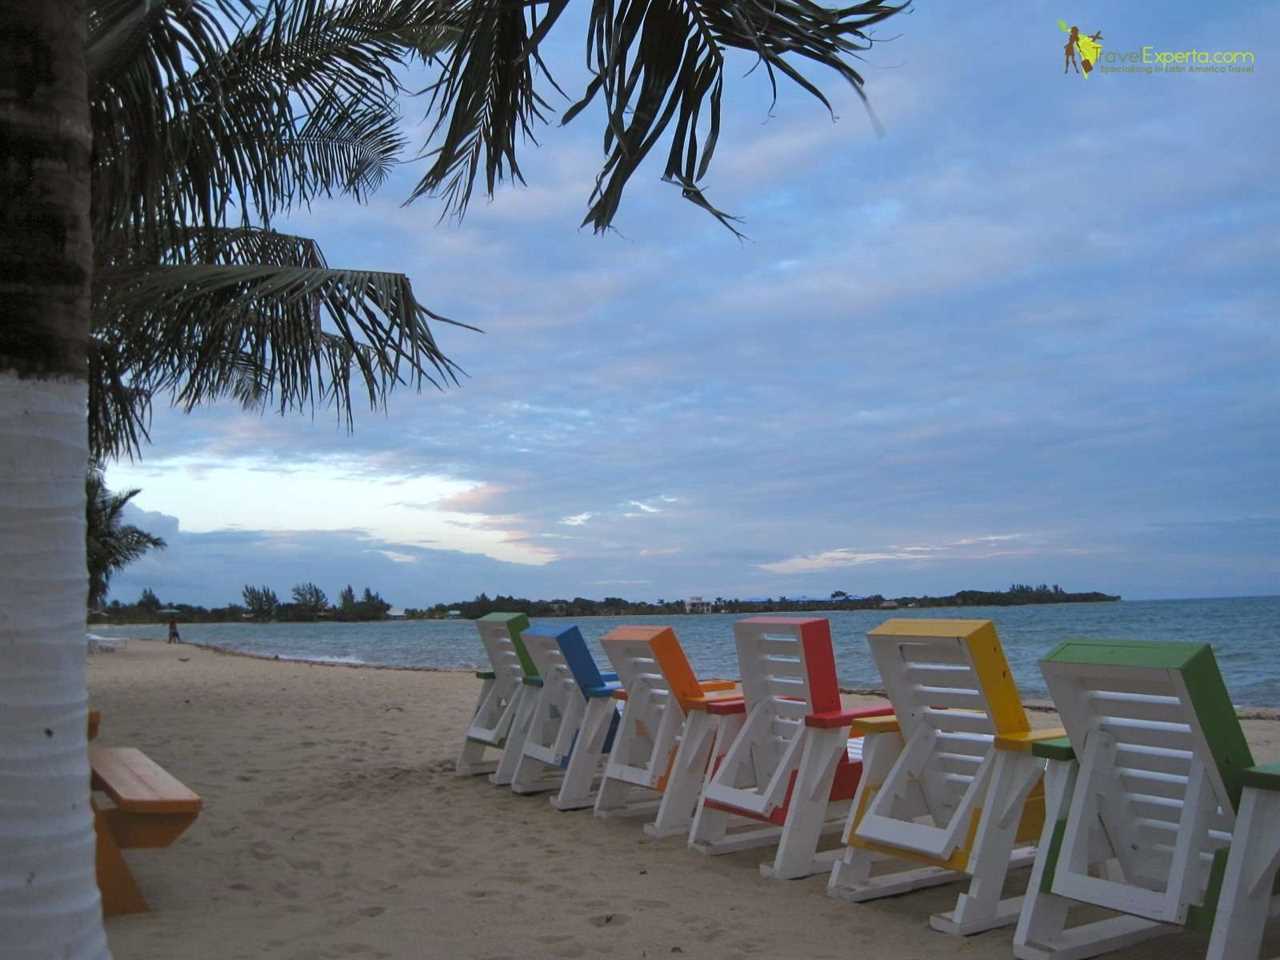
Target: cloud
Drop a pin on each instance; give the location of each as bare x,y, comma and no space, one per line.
474,500
850,557
577,520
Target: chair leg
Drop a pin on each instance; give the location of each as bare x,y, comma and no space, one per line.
807,812
576,789
851,874
472,752
514,748
1249,880
980,907
471,761
688,770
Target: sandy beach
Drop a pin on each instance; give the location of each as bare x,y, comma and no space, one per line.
333,827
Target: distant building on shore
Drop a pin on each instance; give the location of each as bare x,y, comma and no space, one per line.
697,605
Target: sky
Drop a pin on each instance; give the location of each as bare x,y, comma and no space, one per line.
1028,334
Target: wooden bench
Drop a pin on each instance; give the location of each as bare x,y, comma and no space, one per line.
148,808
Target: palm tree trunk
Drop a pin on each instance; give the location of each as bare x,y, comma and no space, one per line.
49,904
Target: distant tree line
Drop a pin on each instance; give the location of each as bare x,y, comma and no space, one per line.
308,603
1017,594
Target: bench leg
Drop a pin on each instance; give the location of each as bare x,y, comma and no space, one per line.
120,893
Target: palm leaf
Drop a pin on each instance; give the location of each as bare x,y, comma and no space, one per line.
292,335
483,101
658,66
190,125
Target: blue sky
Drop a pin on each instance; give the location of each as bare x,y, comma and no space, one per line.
1030,334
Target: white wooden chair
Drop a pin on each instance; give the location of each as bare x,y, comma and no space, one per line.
571,725
1142,801
950,789
500,694
791,764
657,682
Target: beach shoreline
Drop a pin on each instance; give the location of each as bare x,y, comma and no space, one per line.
1244,712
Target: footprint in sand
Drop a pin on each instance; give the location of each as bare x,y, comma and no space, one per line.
263,851
608,920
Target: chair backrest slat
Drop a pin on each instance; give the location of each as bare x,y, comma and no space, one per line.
500,635
788,671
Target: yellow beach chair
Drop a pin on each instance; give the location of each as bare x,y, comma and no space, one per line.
950,789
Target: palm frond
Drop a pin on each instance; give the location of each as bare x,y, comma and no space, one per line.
484,99
191,125
658,66
292,335
663,61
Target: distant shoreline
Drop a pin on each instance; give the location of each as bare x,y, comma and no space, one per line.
799,606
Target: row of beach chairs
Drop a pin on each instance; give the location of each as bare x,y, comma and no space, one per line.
1146,802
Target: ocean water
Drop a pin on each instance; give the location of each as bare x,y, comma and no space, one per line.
1244,632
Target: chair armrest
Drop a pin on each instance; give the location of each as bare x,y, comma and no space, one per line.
1265,776
711,686
1024,741
607,690
724,708
844,718
869,726
485,675
1059,749
609,677
531,681
619,694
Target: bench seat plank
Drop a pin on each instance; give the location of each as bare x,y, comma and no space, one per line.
137,784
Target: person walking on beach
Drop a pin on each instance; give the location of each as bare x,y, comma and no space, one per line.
174,636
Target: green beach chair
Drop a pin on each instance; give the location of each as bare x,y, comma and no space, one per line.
499,720
1143,802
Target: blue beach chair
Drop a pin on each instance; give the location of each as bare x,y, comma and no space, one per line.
572,723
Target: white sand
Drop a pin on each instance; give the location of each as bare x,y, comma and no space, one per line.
334,827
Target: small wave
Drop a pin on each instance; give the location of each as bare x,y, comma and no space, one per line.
354,661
